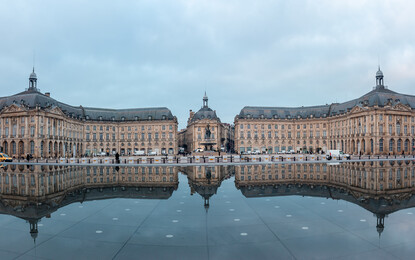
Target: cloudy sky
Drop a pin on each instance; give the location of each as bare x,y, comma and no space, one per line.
126,54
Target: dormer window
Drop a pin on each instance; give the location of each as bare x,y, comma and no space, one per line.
123,118
275,116
136,118
100,118
150,117
87,117
248,116
113,118
163,117
262,116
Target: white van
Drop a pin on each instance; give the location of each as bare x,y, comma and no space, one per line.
336,154
139,153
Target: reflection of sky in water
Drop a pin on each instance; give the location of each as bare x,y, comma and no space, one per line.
212,218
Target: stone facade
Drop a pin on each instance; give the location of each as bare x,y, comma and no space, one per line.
379,122
34,123
204,131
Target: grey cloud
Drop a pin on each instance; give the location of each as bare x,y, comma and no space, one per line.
167,53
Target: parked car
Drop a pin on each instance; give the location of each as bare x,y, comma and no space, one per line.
5,158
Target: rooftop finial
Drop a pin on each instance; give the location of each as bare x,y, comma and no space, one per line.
379,78
205,100
33,80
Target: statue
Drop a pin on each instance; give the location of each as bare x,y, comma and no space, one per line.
208,133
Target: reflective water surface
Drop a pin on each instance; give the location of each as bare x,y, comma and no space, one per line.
274,211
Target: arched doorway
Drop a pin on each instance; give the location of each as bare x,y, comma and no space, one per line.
21,148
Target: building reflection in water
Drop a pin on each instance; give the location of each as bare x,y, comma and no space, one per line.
34,192
205,180
379,187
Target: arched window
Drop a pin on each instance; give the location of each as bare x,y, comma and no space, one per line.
399,145
13,147
391,144
381,145
32,147
406,145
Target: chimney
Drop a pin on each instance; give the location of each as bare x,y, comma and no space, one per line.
47,94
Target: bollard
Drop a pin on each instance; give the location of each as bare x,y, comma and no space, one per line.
306,158
294,158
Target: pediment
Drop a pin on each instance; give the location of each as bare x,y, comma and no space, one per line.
401,107
357,109
12,108
56,110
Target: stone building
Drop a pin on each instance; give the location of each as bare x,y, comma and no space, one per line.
204,130
379,122
34,123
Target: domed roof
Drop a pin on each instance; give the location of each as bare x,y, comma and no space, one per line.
379,73
33,74
205,113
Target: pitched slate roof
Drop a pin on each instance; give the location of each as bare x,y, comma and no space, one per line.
380,96
32,98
